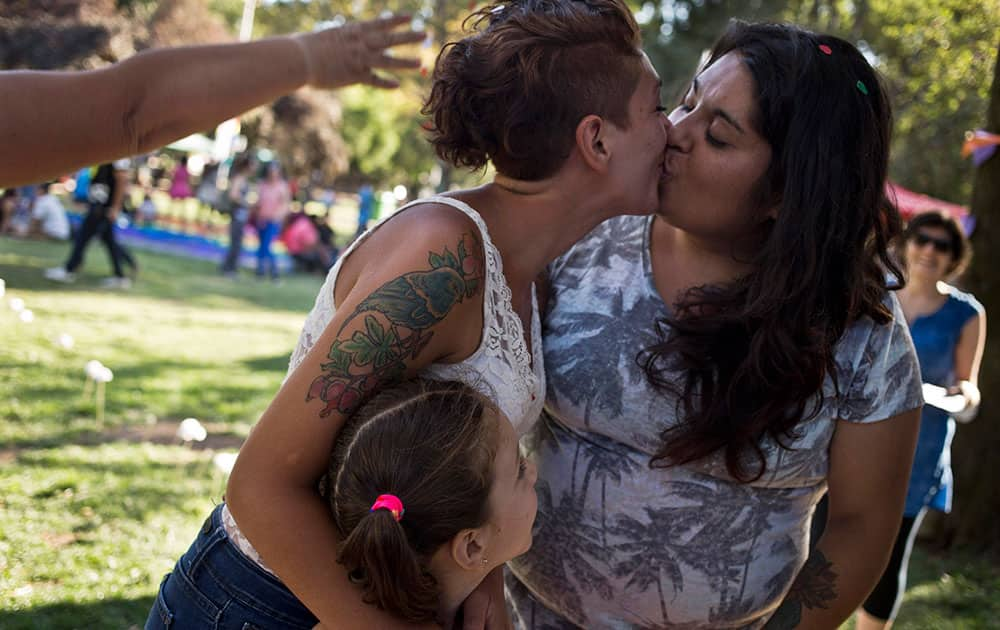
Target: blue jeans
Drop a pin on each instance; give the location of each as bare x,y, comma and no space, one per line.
215,586
267,232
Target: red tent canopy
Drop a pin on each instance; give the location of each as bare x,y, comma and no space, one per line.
911,203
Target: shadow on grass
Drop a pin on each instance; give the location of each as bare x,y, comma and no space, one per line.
277,363
163,276
112,614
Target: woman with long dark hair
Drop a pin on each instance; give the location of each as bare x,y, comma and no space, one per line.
715,367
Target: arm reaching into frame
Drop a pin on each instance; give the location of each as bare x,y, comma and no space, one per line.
54,122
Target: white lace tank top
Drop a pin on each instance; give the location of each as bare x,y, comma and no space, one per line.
501,368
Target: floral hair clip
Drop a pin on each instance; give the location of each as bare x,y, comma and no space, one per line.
826,50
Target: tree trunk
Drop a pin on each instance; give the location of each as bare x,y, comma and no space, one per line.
975,458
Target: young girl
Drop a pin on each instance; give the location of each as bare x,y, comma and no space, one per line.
429,493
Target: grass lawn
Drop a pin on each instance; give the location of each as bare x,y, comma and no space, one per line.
92,516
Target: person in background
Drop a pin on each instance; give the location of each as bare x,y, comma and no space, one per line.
54,122
8,206
48,216
273,198
180,184
237,205
948,327
366,208
146,212
106,195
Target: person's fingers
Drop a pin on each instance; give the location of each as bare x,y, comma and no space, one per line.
395,63
382,82
404,37
388,22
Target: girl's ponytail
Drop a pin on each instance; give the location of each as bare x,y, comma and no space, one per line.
381,561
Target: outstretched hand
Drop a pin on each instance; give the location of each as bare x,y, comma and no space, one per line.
344,55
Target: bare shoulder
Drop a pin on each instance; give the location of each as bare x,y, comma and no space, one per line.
422,238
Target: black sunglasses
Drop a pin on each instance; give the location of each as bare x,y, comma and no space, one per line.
941,245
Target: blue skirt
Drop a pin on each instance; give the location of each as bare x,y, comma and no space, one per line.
214,585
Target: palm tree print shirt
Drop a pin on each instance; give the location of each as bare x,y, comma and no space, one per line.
620,545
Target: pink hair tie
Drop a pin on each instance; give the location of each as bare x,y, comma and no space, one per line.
389,502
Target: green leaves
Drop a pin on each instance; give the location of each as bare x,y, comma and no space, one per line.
373,347
447,259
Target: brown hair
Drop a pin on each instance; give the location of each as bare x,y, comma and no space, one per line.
515,89
428,443
961,248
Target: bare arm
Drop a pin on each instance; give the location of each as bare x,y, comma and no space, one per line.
407,307
962,400
121,186
54,122
869,471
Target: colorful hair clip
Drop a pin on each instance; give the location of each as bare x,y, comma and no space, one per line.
862,87
826,50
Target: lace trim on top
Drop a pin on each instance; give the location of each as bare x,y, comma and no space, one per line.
500,368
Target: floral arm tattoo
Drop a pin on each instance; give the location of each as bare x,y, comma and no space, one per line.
814,587
397,319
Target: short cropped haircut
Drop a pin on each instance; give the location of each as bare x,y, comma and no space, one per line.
515,89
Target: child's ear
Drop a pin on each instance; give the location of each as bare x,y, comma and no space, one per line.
468,549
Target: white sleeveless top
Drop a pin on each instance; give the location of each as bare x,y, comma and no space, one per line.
501,368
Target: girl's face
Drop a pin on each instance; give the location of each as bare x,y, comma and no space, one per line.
929,253
715,156
513,502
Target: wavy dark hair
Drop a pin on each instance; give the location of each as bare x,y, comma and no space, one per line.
514,90
748,359
431,444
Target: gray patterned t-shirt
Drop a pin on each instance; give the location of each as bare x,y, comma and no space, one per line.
620,545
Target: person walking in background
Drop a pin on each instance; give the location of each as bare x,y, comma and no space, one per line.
273,197
8,205
236,203
366,208
948,327
105,197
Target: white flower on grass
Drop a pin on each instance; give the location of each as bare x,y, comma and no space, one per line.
3,287
93,369
65,341
27,316
16,304
104,375
190,430
224,461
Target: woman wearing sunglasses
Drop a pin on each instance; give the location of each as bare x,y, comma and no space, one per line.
949,331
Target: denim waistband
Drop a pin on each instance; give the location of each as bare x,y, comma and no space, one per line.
219,572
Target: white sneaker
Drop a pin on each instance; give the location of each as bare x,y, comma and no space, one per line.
114,282
59,274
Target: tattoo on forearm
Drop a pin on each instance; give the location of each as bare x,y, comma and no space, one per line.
814,587
397,320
